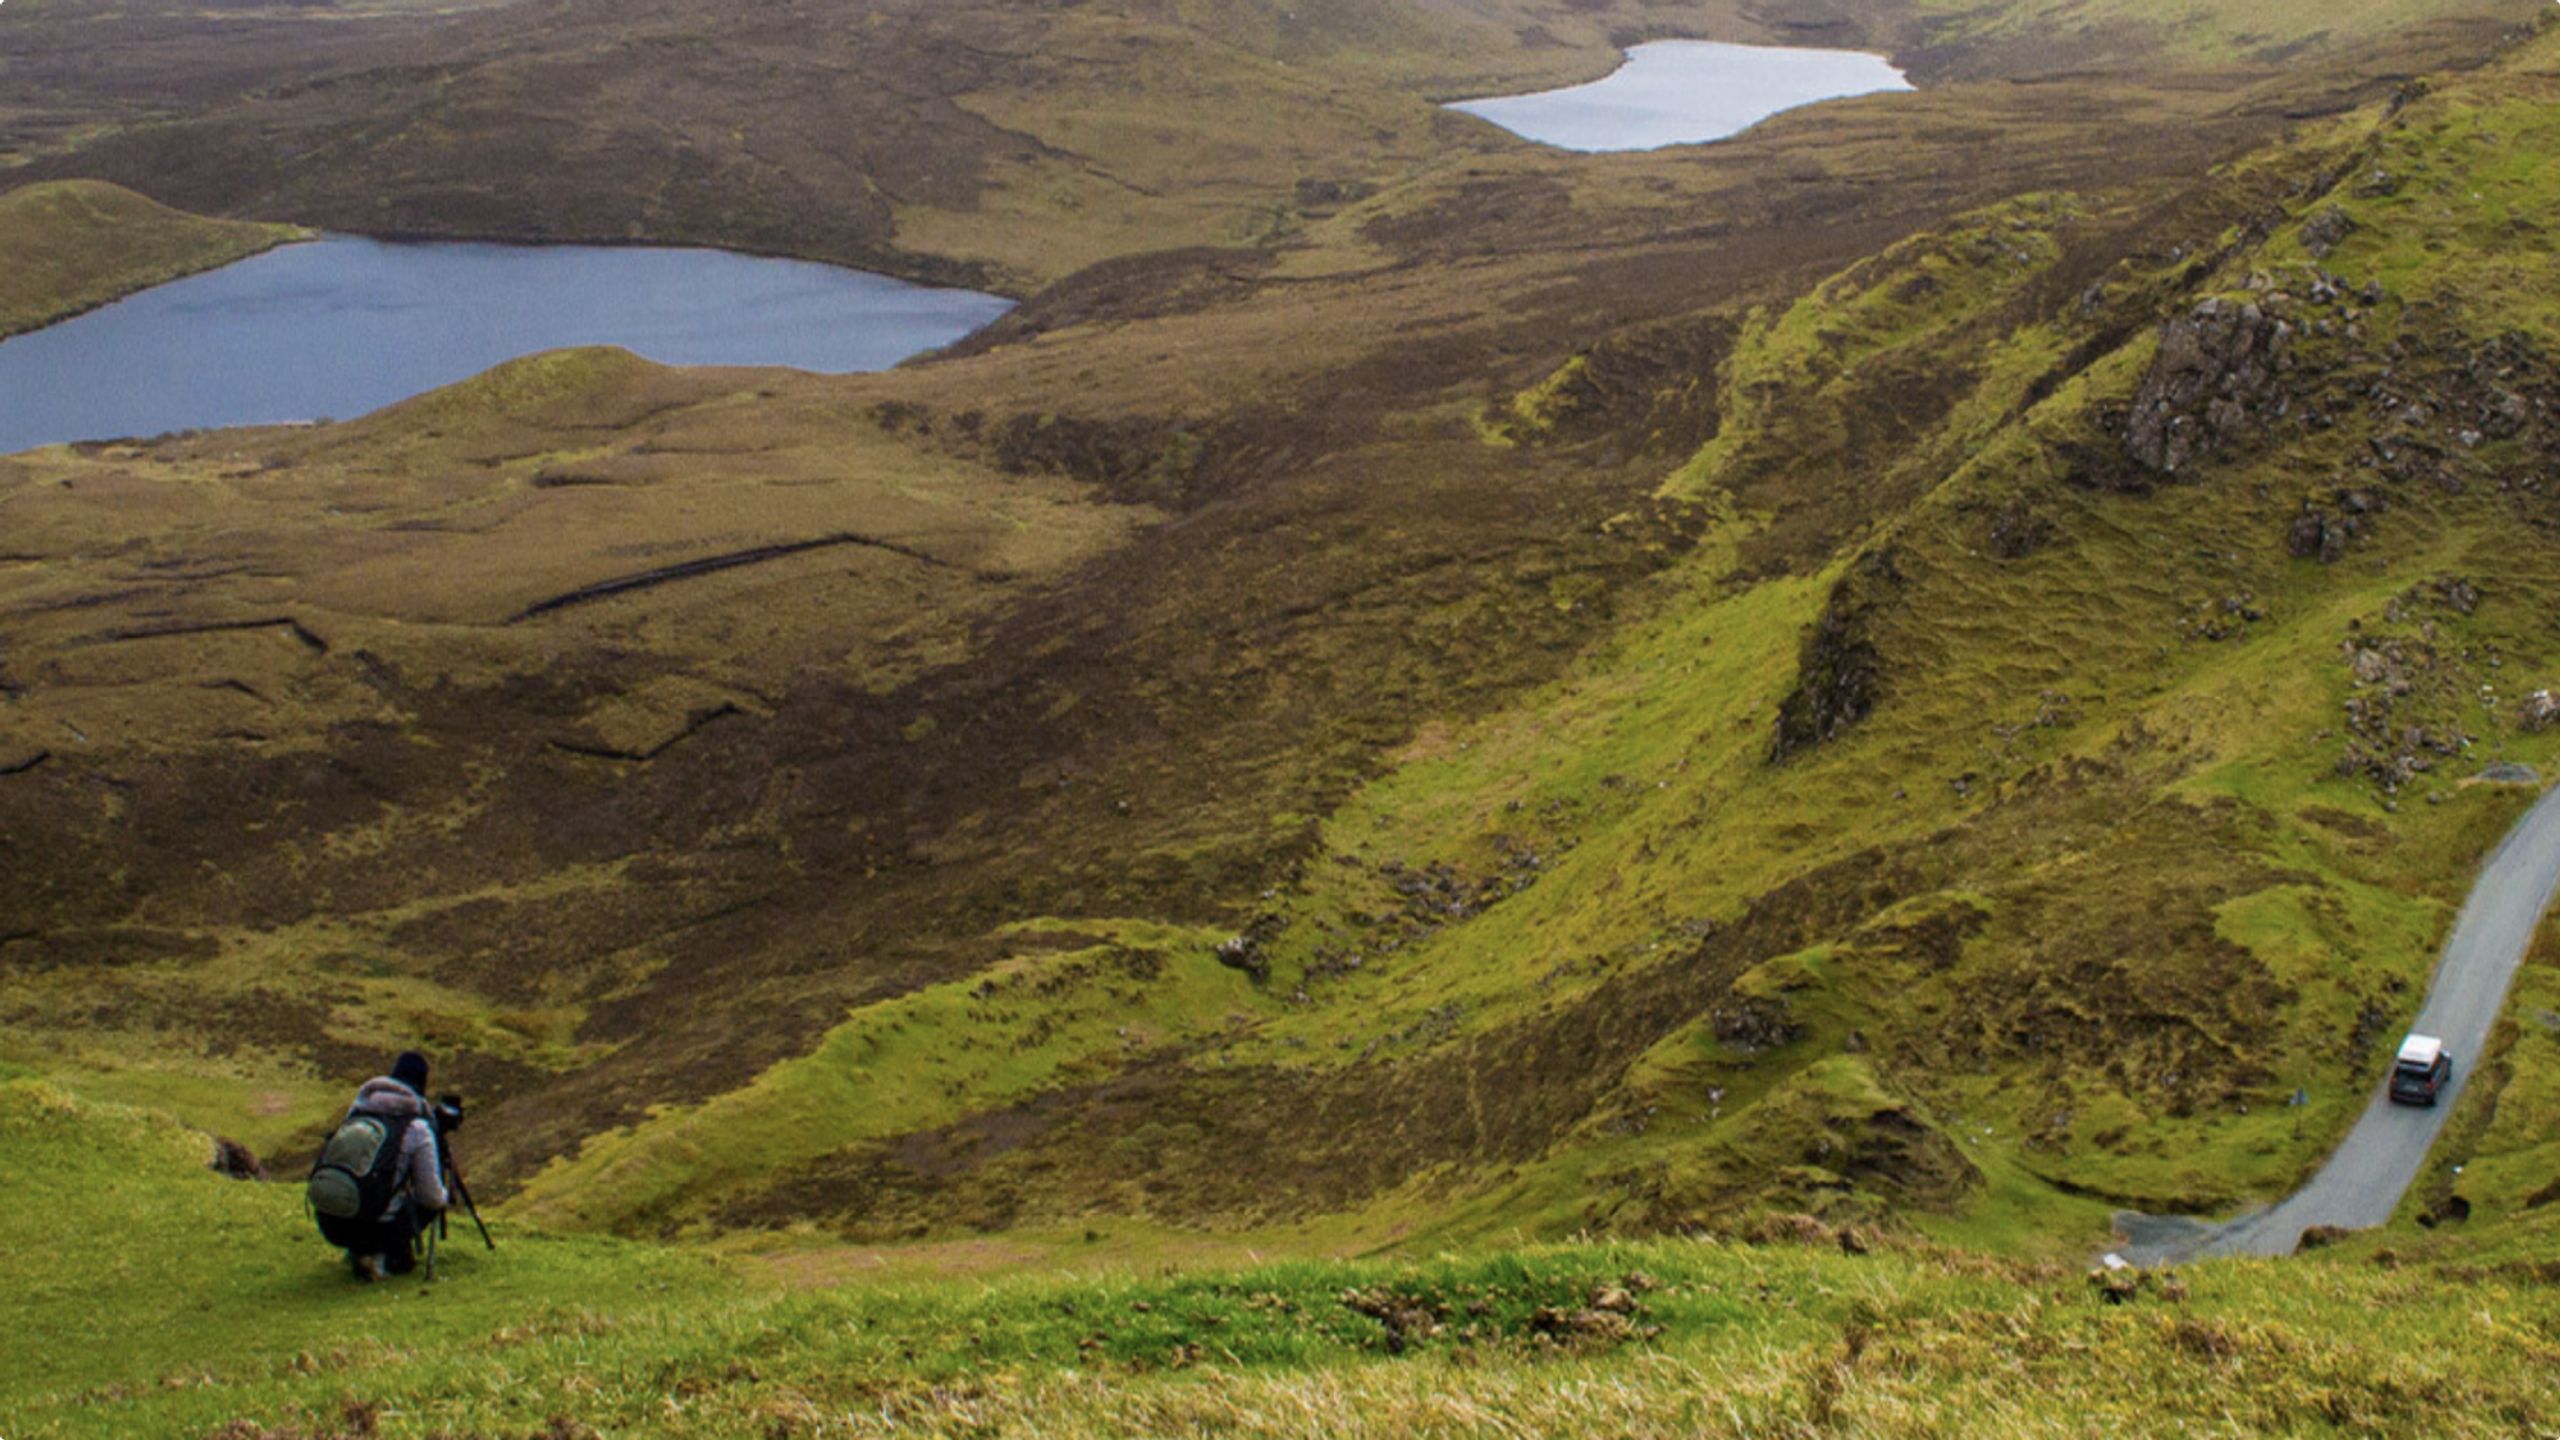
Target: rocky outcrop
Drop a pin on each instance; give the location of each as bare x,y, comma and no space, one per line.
2323,532
234,1160
1840,675
2538,712
2326,230
2217,377
2314,536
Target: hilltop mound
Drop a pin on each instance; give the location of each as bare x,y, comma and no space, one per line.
72,245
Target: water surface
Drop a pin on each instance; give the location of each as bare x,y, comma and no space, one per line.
1682,92
340,326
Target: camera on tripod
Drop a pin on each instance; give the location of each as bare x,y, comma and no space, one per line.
448,1114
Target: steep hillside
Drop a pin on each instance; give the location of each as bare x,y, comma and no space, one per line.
2056,742
75,245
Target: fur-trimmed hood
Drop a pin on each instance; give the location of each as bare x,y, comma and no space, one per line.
390,1097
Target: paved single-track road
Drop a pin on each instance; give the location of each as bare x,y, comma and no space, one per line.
2364,1178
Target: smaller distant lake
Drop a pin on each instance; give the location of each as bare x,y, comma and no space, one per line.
341,326
1683,92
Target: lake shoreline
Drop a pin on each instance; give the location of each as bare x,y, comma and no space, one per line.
340,325
90,215
70,313
1669,93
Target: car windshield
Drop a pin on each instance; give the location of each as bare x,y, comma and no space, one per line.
2415,1072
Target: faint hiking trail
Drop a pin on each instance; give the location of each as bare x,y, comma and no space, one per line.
2364,1178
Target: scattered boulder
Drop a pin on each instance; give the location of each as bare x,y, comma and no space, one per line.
234,1160
2315,536
2117,1283
1244,952
2325,230
1407,1318
1751,1024
2538,712
2216,377
2320,1237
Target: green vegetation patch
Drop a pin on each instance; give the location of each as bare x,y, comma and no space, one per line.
1046,1019
73,245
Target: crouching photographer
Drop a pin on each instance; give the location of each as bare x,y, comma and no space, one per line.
381,1184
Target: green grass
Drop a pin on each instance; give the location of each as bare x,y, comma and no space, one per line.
73,245
910,1064
180,1303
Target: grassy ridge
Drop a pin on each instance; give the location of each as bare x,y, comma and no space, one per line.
212,1311
73,245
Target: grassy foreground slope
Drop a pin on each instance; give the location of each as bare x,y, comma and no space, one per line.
73,245
183,1304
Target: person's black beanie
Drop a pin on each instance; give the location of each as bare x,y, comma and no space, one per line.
411,1070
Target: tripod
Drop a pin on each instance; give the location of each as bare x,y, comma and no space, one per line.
454,1180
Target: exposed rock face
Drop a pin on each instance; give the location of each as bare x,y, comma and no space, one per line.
2216,378
1841,673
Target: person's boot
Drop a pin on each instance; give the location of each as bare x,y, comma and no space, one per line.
367,1269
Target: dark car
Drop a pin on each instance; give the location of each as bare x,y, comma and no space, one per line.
2422,1071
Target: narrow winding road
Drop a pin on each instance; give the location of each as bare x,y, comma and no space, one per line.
2364,1178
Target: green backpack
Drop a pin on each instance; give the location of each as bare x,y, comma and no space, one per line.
358,1170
